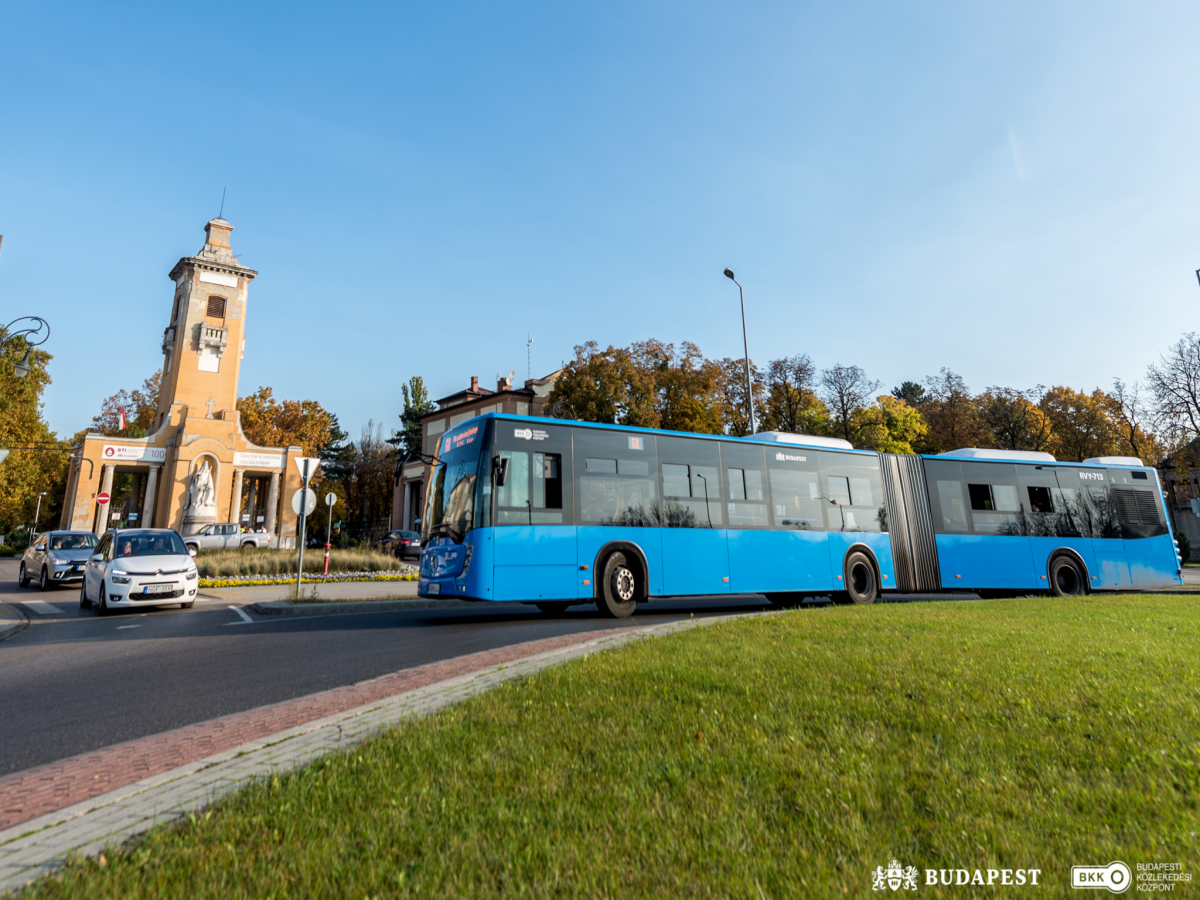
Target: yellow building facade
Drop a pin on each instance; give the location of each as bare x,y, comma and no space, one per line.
196,467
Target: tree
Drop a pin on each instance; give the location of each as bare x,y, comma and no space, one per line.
910,392
951,413
686,386
1131,421
890,426
792,404
1083,425
367,483
36,462
731,385
1013,419
1174,382
272,423
140,405
337,455
606,386
416,404
846,390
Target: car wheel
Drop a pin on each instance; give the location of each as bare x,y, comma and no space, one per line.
1066,579
45,583
84,602
195,547
102,606
187,605
861,586
23,578
619,590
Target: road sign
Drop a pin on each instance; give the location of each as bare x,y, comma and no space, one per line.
102,498
310,461
330,498
304,499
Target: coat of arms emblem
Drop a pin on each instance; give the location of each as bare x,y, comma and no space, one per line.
895,876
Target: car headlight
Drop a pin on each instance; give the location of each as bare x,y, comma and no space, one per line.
192,574
119,576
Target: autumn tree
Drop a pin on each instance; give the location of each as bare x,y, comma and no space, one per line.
791,403
365,484
606,386
890,426
272,423
846,390
1013,419
140,406
731,386
1083,425
36,461
951,413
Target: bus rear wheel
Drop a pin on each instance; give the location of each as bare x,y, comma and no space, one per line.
619,589
861,584
1066,578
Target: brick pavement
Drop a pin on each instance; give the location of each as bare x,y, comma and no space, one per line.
45,789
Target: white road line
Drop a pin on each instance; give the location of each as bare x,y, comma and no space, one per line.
246,618
42,608
119,627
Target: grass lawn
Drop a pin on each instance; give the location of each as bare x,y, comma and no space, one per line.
263,561
780,756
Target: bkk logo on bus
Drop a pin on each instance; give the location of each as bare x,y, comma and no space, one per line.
529,434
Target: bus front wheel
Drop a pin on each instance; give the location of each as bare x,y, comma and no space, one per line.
861,584
1066,579
619,589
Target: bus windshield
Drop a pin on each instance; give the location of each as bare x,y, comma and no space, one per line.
450,506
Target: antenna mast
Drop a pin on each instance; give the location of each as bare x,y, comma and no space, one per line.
528,356
221,214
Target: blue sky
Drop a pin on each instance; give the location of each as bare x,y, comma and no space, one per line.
1009,190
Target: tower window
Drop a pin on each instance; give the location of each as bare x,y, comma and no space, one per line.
216,307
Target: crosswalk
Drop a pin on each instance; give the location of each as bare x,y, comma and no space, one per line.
44,608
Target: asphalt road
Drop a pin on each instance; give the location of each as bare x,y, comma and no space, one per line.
73,682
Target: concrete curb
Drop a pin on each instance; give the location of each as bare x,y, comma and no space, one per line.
287,608
12,621
37,847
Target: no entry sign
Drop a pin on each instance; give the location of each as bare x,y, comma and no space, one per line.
102,498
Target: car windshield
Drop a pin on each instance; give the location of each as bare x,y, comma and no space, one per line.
148,543
72,541
450,507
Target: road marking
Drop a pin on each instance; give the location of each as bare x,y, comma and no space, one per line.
246,619
42,608
119,627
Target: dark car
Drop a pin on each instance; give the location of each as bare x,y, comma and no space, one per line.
57,557
401,544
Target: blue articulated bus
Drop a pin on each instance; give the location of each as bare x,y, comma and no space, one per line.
555,513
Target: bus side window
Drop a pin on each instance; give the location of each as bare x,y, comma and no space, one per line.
1039,500
547,481
954,513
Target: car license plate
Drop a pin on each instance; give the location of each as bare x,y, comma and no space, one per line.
158,589
435,588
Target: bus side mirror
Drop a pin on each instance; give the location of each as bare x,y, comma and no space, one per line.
500,465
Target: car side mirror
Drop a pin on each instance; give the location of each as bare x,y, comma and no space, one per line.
500,465
191,551
97,557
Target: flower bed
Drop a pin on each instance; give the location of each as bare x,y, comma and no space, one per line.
256,580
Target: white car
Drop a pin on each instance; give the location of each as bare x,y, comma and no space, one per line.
140,567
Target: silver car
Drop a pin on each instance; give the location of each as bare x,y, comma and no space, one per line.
56,557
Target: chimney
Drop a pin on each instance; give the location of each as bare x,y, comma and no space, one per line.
475,383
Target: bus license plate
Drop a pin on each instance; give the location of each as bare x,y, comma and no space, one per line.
435,589
158,589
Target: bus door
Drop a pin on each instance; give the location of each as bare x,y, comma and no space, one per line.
535,556
692,518
1049,500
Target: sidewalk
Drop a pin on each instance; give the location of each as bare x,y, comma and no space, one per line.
106,797
11,620
345,590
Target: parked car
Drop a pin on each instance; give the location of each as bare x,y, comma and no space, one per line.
226,535
401,544
56,557
139,567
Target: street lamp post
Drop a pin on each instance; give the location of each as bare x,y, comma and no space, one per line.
37,515
23,368
746,350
